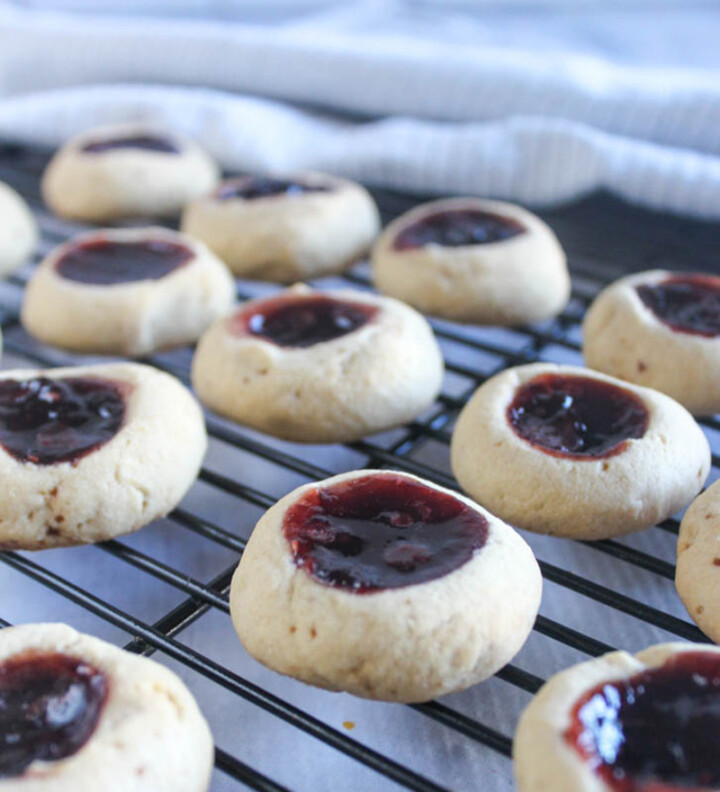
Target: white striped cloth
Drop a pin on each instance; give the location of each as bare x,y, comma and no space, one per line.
413,96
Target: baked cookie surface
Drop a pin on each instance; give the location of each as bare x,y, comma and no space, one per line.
92,452
385,586
18,230
570,452
697,574
661,330
126,170
285,229
77,713
126,291
473,260
625,722
319,367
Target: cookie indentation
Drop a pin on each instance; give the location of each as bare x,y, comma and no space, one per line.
106,262
50,705
265,186
686,303
577,417
656,729
46,421
156,143
381,532
457,227
301,321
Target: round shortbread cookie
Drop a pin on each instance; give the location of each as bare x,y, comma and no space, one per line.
126,170
625,722
129,292
570,452
78,714
626,336
285,229
473,260
92,452
18,230
319,367
697,575
385,586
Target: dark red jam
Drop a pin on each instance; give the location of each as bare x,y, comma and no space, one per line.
381,532
657,731
156,143
254,187
45,421
301,321
50,705
578,417
686,303
106,262
457,227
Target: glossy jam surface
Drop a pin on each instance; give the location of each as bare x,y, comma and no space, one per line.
50,704
265,186
457,227
154,143
686,303
300,321
45,421
657,731
381,532
107,262
575,416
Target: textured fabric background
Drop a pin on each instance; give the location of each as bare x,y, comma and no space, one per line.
539,101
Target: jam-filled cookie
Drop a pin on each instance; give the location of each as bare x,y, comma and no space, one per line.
319,367
385,586
662,330
77,713
568,451
128,292
473,260
697,575
18,230
287,228
126,170
92,452
625,723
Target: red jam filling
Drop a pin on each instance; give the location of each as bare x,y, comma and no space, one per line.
154,143
50,705
577,417
686,303
46,421
300,321
254,187
456,228
657,731
382,531
106,262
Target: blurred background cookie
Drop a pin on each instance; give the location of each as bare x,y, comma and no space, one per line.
126,291
288,228
18,230
473,260
126,170
319,367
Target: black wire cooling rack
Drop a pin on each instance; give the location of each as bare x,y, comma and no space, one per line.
163,591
